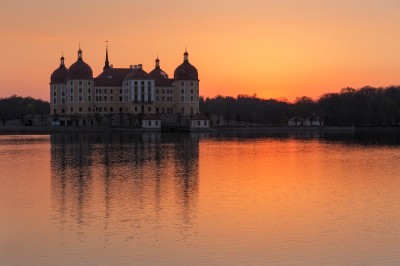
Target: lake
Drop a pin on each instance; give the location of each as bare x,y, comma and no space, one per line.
200,199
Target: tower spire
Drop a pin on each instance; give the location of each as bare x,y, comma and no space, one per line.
106,63
157,62
79,52
186,56
62,59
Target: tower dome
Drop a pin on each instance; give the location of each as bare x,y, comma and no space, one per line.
60,74
186,71
158,74
79,69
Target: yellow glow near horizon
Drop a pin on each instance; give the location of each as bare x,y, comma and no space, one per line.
275,49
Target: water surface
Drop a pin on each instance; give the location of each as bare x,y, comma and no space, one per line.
200,199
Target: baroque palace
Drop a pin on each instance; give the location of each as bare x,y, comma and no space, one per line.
120,96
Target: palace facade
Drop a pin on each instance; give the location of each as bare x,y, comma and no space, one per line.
77,98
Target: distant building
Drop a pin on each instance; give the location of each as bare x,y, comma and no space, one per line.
296,121
77,98
152,122
308,122
200,121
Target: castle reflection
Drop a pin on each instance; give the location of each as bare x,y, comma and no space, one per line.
106,180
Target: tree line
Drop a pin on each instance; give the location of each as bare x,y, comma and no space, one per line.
365,106
16,107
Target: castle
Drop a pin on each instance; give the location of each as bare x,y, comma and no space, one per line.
76,98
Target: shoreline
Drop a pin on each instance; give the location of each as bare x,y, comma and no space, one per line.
36,130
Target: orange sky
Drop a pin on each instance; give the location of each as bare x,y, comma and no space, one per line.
276,49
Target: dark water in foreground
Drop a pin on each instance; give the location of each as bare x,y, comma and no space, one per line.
200,199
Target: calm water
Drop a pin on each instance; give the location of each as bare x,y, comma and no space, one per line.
197,199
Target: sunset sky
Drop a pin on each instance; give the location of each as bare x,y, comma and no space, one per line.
275,49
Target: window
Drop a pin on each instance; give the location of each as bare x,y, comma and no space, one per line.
157,91
120,109
182,84
198,122
142,83
80,109
72,83
55,111
72,109
105,98
191,98
149,109
111,109
89,98
111,91
80,83
80,90
205,123
182,91
72,98
182,110
105,91
105,109
88,109
54,100
182,98
191,83
54,93
88,83
156,123
111,98
120,98
135,108
80,98
149,123
62,111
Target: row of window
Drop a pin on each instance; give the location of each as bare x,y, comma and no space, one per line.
163,110
191,91
104,98
191,98
136,98
80,83
191,84
127,99
164,99
163,91
136,90
104,91
136,82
